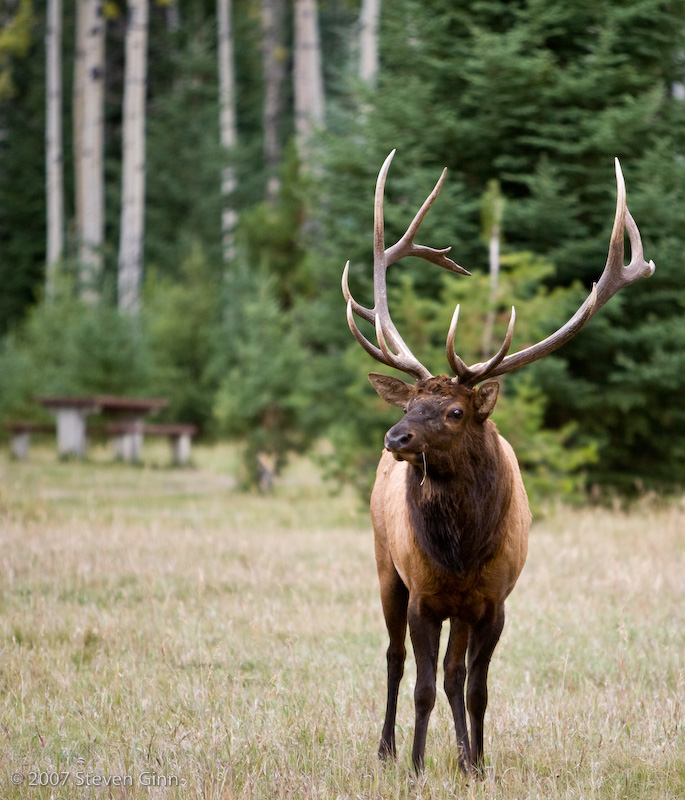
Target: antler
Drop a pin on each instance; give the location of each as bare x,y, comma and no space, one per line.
615,276
392,350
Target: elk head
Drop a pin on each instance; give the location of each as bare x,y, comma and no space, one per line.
440,410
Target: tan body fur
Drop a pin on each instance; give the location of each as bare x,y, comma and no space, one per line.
397,549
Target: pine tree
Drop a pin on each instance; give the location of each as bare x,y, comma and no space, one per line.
541,96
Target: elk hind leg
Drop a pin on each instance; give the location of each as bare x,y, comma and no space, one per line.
455,677
482,642
394,598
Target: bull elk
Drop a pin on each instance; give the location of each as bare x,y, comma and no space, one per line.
449,509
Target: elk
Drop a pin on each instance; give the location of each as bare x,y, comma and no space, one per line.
449,509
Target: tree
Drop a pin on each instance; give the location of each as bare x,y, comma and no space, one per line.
22,161
308,76
228,127
133,172
173,15
53,142
274,58
15,38
89,87
368,40
542,96
183,190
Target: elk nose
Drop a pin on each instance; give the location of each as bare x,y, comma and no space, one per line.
397,440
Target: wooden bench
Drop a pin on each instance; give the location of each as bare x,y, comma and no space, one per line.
21,435
128,439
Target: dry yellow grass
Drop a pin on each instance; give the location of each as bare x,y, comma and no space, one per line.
162,631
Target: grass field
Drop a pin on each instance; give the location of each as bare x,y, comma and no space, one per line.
165,635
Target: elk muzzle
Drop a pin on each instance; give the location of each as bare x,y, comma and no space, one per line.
402,443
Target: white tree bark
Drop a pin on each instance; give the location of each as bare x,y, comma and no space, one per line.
493,212
368,41
89,142
228,127
173,16
308,78
133,167
53,145
274,57
77,109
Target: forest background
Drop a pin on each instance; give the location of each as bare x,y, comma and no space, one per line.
182,182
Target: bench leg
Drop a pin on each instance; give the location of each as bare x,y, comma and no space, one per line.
71,433
20,445
180,448
128,447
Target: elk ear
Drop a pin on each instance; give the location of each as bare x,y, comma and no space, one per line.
485,399
394,391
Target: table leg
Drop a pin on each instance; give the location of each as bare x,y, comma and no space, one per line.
71,432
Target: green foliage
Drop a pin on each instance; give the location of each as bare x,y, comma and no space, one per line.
535,97
184,156
22,166
554,463
182,321
68,348
271,238
262,396
15,40
542,96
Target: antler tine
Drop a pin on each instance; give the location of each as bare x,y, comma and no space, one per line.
471,375
458,366
615,276
371,349
384,354
392,349
402,362
359,310
405,245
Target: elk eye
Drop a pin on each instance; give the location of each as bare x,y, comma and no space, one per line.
457,413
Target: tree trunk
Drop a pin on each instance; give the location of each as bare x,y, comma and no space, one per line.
227,121
492,211
89,142
368,41
77,110
53,145
133,166
309,96
173,16
274,57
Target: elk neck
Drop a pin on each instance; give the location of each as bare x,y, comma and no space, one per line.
457,512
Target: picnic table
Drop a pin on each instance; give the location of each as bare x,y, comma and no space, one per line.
125,424
71,414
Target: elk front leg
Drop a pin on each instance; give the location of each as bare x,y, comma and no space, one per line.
394,598
455,677
482,642
424,630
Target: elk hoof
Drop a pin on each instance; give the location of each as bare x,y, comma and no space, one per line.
386,751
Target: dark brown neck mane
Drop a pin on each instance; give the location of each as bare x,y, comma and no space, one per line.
456,512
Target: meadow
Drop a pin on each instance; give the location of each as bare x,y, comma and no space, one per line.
165,635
